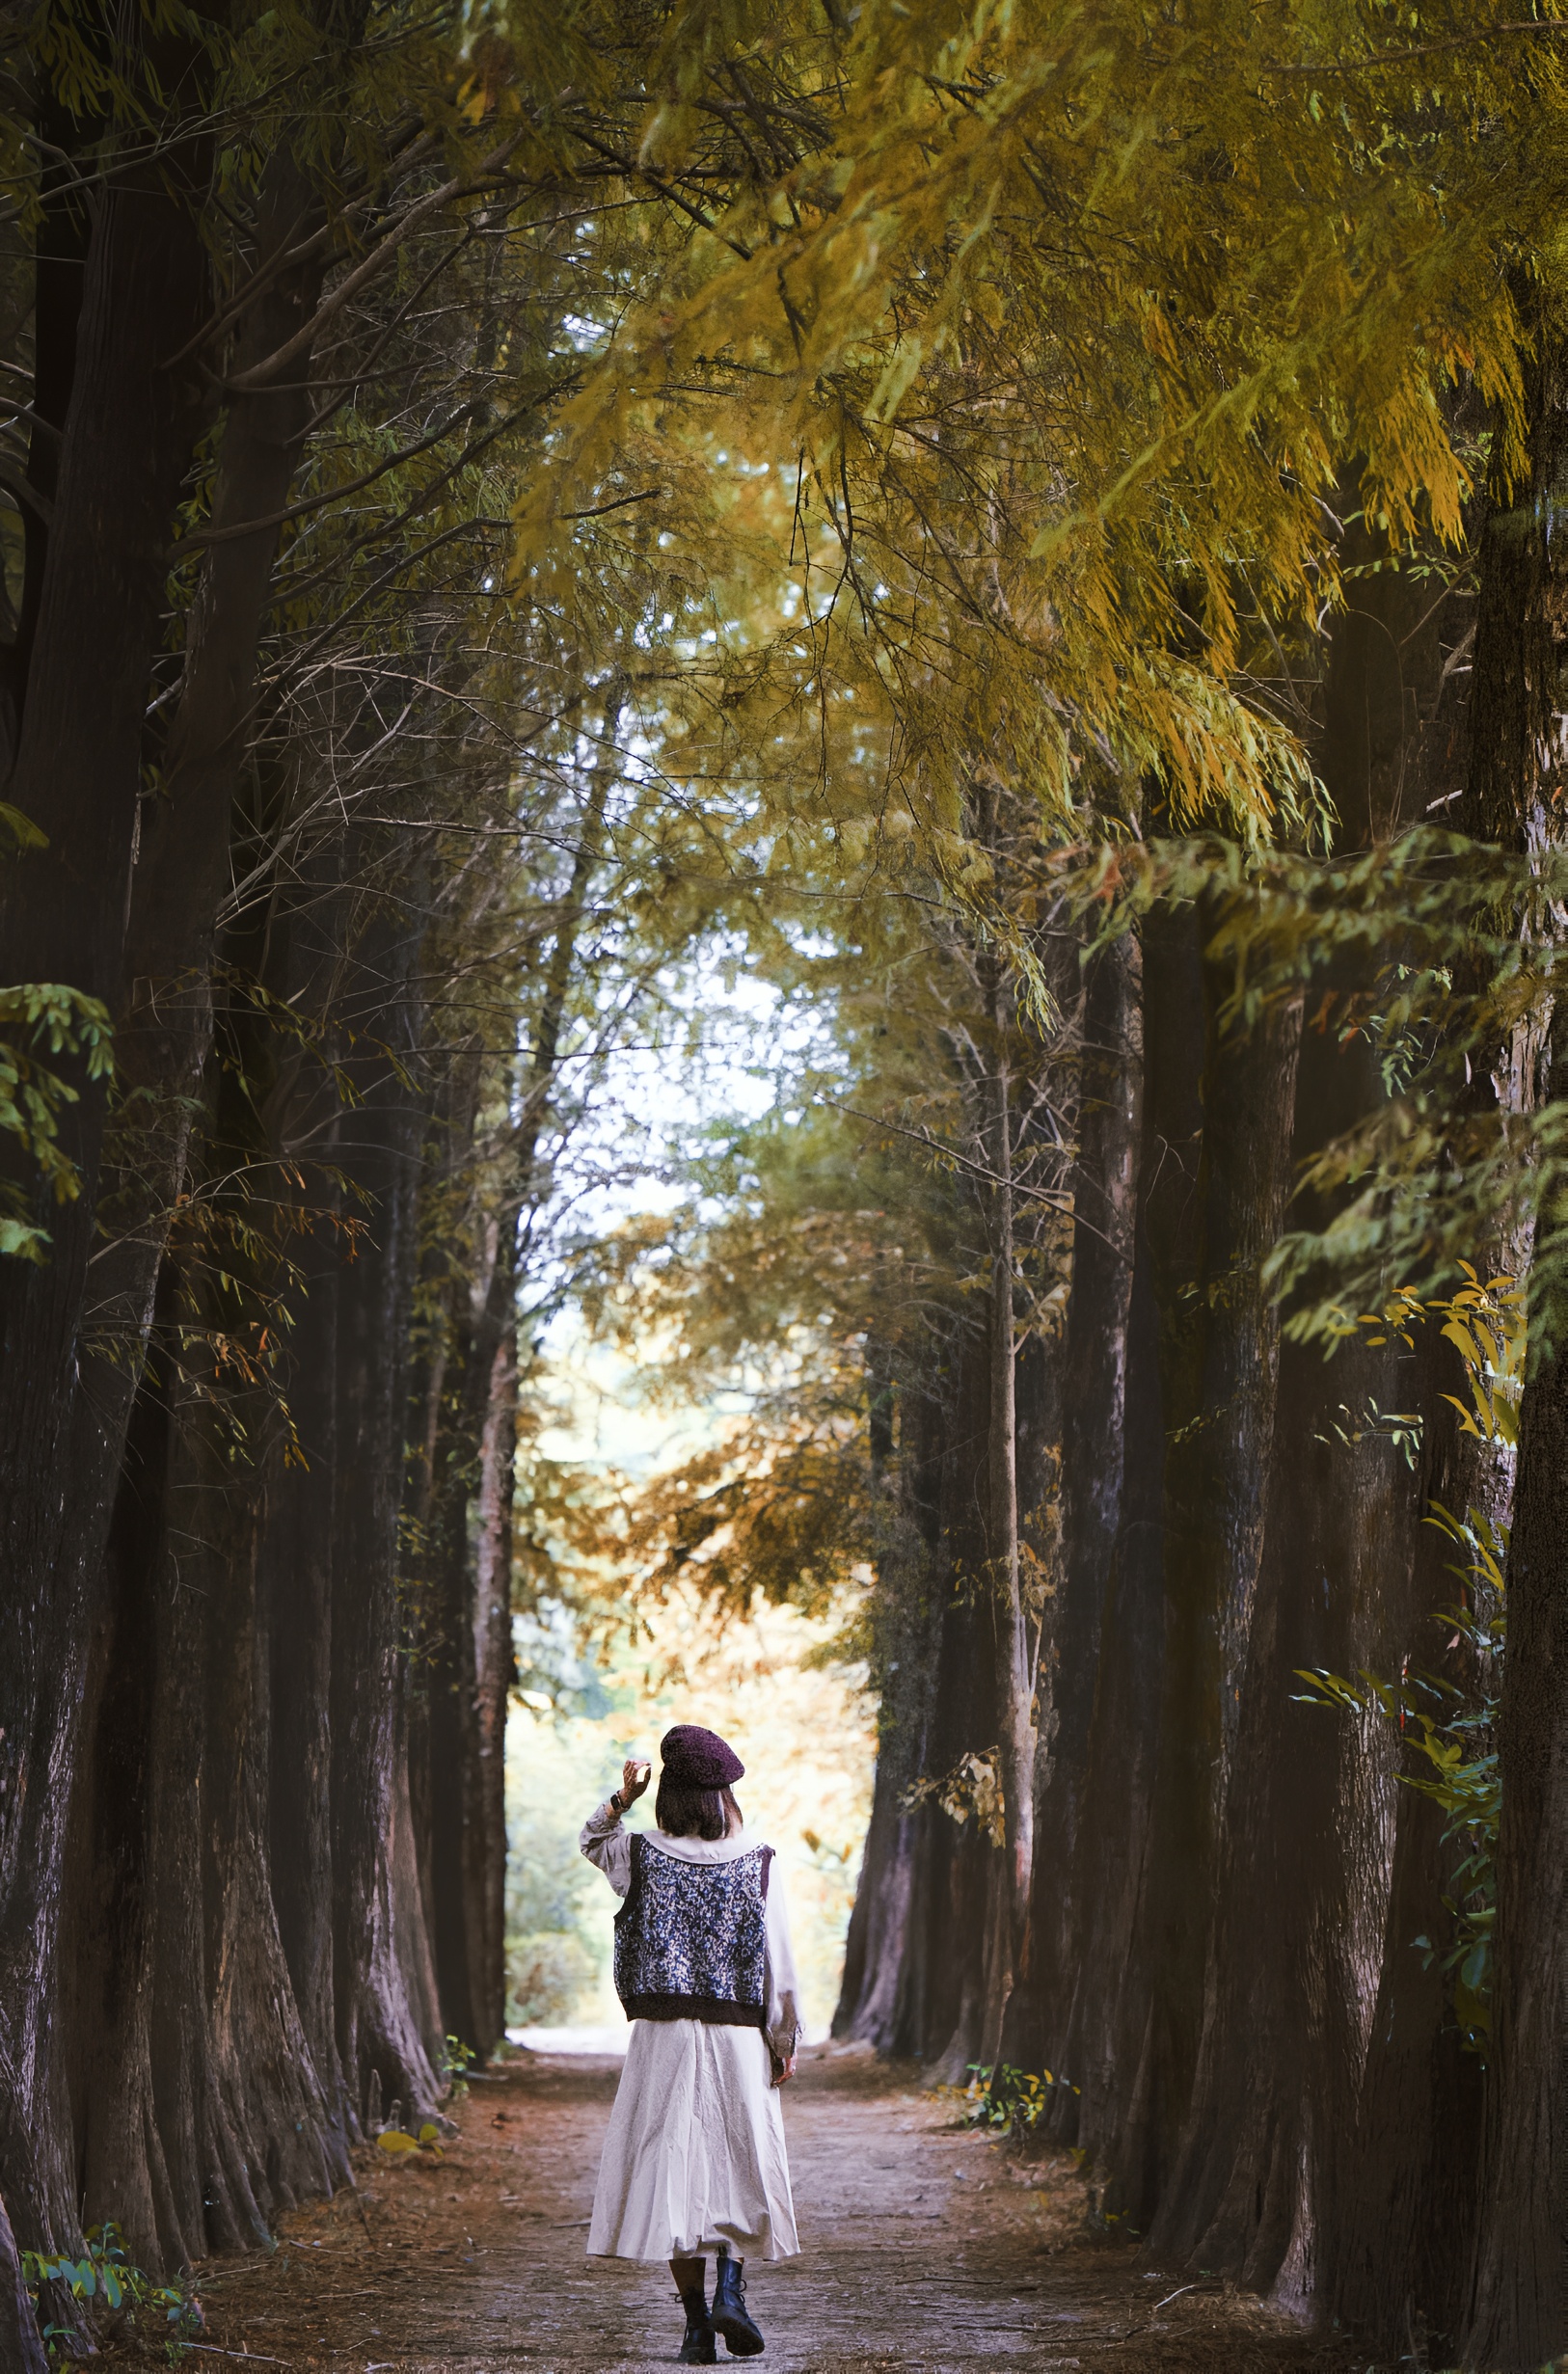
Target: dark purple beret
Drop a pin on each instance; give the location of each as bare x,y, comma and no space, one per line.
700,1757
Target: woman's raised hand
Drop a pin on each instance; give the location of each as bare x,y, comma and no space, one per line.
635,1778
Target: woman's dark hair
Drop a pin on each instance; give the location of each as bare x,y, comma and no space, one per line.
683,1810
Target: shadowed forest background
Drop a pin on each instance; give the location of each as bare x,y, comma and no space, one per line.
989,575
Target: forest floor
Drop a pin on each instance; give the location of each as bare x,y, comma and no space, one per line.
925,2246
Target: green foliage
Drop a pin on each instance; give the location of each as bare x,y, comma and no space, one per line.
453,2061
1010,2101
104,2277
1435,1169
39,1017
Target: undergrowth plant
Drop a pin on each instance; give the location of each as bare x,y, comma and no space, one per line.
453,2063
39,1018
1010,2101
105,2277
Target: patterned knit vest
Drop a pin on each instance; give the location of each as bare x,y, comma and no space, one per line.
692,1939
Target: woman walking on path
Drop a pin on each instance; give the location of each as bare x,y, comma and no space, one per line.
694,2158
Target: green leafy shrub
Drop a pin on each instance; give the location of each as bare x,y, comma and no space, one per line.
453,2063
104,2277
59,1020
1012,2101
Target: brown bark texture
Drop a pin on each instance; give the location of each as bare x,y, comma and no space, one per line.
127,441
1218,1986
1519,2307
215,1954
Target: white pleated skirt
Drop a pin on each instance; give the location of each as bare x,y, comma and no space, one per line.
694,2156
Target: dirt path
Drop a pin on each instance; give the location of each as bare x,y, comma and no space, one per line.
924,2247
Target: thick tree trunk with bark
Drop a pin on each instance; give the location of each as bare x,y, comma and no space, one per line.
1521,2307
929,1890
1520,2314
1217,1459
1009,1942
1401,2217
1304,1869
467,1656
22,2350
127,442
494,1660
378,2021
61,245
1102,2046
1401,2174
878,1938
941,1995
145,2176
1093,1397
197,2101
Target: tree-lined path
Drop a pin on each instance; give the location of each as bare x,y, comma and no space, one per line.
857,703
925,2247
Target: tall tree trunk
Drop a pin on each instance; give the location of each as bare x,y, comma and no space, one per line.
1014,1717
1093,1397
1305,1861
59,253
297,1561
21,2350
1216,1465
198,2104
380,2034
1104,2044
1398,2208
494,1663
1519,777
467,1656
940,1996
1399,2221
165,1035
127,442
1520,2310
879,1943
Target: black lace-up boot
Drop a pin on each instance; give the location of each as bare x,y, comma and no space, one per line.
742,2337
699,2348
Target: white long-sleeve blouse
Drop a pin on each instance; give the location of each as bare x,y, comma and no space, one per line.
606,1843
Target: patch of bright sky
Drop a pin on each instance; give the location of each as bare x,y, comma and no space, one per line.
740,1054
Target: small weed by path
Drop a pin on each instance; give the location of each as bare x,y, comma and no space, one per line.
1008,2101
106,2280
452,2064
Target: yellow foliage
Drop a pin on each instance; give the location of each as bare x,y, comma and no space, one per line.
1027,348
